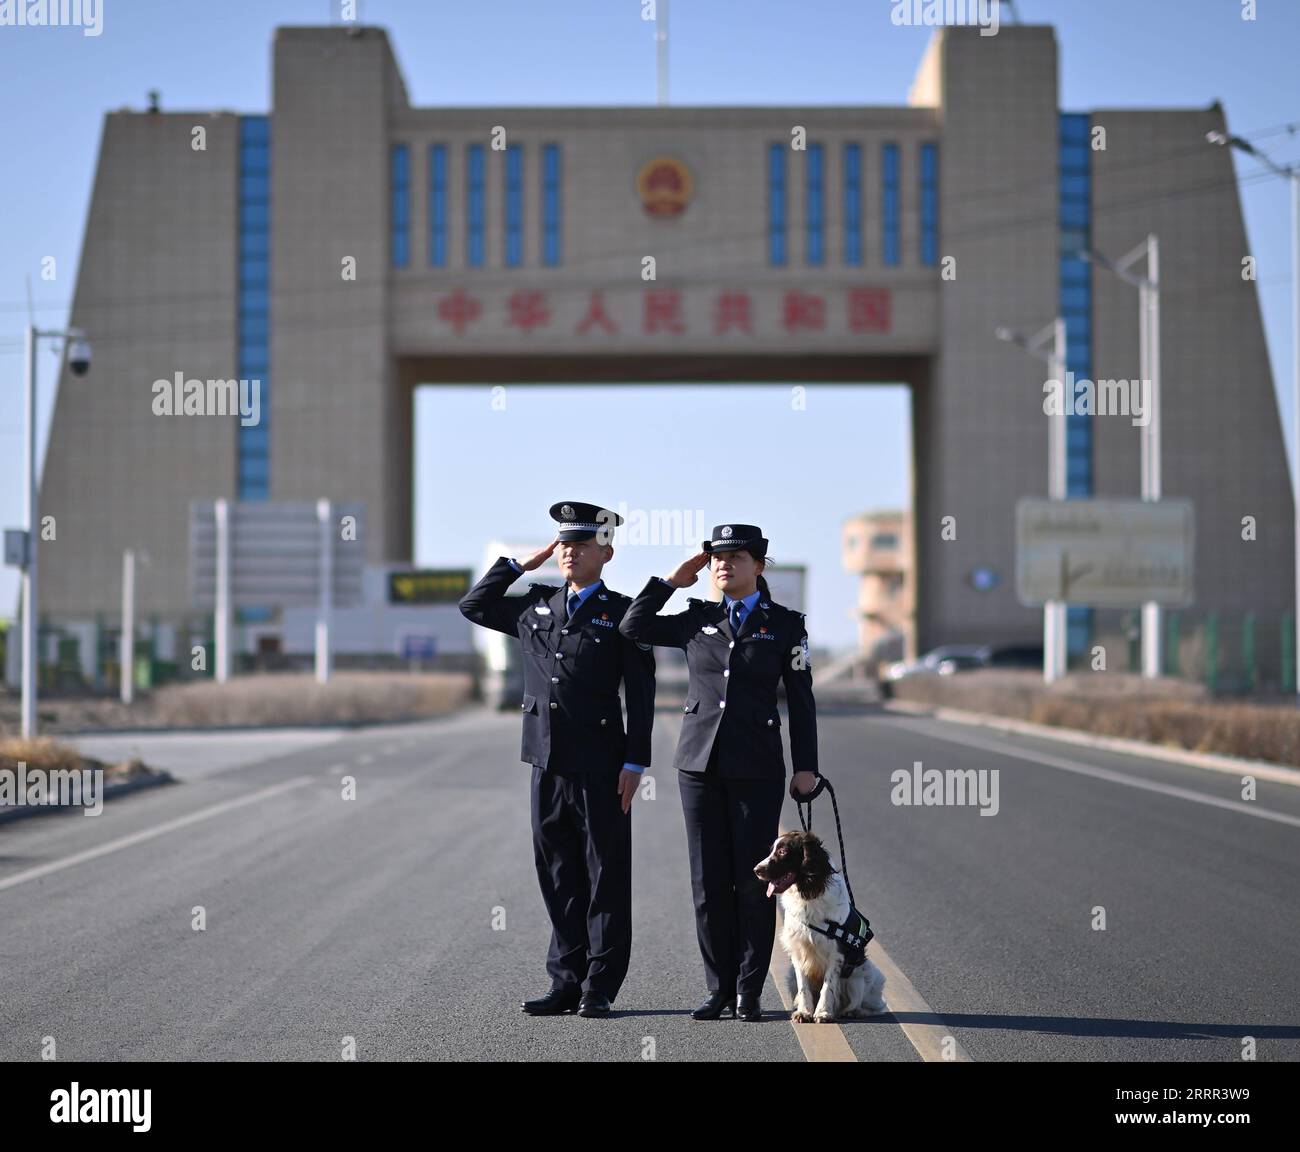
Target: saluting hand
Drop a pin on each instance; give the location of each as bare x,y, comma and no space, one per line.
686,573
538,558
628,781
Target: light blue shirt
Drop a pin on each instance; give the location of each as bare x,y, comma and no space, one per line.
746,605
583,593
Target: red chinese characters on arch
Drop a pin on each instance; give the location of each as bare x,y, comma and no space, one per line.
527,310
869,310
460,310
803,310
732,311
663,311
596,316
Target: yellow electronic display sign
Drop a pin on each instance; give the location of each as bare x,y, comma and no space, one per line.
428,586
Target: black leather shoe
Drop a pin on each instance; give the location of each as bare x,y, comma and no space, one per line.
718,1004
593,1004
556,1002
751,1006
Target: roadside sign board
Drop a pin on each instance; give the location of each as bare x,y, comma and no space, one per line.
1104,553
415,646
275,554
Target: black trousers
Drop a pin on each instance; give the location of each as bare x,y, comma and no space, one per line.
730,826
582,845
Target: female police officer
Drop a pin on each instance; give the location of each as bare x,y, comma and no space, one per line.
731,770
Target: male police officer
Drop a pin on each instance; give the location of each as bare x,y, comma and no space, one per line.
585,769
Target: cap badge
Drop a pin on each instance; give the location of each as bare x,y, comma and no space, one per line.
726,531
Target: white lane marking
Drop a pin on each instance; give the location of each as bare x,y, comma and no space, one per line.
149,833
1106,774
1210,761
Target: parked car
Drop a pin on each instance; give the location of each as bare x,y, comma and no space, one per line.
1012,656
941,661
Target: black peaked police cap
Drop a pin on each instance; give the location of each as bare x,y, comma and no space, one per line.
732,537
580,521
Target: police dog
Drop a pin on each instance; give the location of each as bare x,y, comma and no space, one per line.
813,892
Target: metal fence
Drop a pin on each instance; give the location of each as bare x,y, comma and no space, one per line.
1231,653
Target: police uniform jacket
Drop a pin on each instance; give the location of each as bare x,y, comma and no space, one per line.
731,697
573,719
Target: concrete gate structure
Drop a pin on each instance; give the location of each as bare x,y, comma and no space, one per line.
803,244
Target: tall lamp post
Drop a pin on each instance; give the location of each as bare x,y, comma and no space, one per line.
1290,172
77,352
1148,287
131,559
1054,639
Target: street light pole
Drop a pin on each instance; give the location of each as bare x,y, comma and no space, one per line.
30,661
1054,619
1148,287
127,646
1151,486
78,360
1054,630
1289,172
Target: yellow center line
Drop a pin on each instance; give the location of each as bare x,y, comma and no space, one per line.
827,1042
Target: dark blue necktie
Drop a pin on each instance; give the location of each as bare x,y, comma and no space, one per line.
736,607
574,601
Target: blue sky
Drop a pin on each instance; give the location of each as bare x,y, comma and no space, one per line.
56,85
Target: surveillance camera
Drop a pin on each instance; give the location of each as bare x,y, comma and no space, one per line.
78,356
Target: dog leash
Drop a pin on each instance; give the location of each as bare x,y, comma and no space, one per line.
808,798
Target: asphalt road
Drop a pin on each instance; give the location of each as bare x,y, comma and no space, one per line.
408,918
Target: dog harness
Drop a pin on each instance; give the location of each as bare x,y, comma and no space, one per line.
852,937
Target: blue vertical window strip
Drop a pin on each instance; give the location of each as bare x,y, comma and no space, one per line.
776,204
814,204
514,205
253,469
551,204
1075,221
438,205
400,185
474,217
889,203
853,204
930,204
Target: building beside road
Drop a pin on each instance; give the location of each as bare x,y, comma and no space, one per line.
877,548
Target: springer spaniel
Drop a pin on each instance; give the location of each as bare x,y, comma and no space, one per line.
813,899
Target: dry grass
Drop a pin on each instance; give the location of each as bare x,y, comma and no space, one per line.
42,753
271,699
349,698
46,755
1168,712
